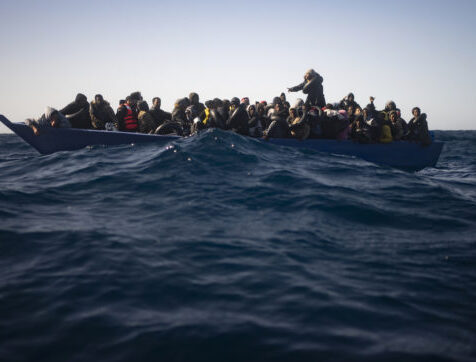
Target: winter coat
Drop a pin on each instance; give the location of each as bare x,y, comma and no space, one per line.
78,113
159,115
314,90
238,120
101,113
418,130
44,120
279,127
147,123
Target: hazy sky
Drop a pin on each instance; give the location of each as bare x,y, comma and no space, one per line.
413,52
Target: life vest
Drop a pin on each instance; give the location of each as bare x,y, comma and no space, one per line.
207,116
130,120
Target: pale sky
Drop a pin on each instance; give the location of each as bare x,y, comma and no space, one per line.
417,53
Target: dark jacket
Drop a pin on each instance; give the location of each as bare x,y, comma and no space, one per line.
160,116
147,123
100,114
77,112
216,119
238,121
279,127
314,91
418,130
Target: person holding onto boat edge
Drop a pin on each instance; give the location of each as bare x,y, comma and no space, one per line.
312,86
50,119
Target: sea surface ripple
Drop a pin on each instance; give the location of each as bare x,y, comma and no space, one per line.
221,248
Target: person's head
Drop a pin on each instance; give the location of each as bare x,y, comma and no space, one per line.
399,113
191,112
54,119
278,107
136,96
358,111
283,97
329,106
129,100
310,74
245,101
393,116
217,102
122,102
81,98
156,102
350,97
98,99
390,106
142,106
209,104
293,112
277,100
234,103
226,104
193,98
260,109
350,110
251,110
365,112
416,112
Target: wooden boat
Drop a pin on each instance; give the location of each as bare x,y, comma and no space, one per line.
402,154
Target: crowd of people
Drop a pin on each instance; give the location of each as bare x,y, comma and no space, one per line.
313,118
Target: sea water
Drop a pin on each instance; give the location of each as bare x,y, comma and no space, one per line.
221,248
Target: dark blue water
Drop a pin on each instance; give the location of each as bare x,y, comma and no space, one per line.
219,248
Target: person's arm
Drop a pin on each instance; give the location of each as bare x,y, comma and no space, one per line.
297,88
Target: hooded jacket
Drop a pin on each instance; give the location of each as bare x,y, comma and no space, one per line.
78,112
238,121
279,127
44,120
101,113
314,90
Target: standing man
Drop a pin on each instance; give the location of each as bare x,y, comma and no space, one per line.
312,86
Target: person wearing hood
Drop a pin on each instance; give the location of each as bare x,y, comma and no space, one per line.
102,114
312,86
254,122
78,112
159,115
215,118
359,131
195,101
50,119
348,101
418,128
279,127
238,118
178,114
127,116
396,126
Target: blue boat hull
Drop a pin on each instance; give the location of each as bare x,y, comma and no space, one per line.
402,154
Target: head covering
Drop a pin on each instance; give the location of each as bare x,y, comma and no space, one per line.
142,106
235,101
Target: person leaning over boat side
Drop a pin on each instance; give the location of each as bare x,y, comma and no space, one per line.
50,119
77,112
127,116
279,127
159,115
312,86
102,114
238,118
418,128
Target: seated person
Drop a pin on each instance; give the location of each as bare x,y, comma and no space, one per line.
254,122
127,116
101,113
418,128
50,119
159,115
396,125
147,123
238,118
77,112
279,127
